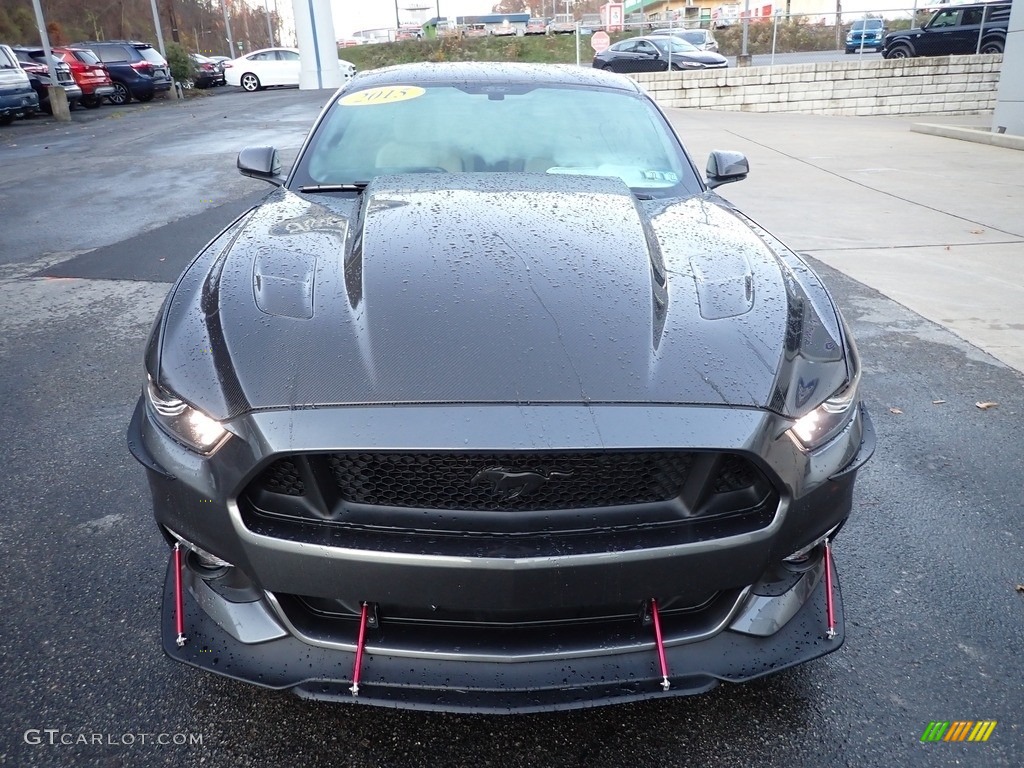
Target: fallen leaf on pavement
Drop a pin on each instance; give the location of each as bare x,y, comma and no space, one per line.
895,410
986,405
1020,588
977,231
938,402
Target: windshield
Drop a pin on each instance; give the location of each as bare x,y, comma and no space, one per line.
867,24
696,38
495,129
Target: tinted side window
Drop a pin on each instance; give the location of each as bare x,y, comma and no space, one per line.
110,52
86,57
287,56
944,19
971,16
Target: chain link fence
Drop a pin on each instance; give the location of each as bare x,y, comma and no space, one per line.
765,35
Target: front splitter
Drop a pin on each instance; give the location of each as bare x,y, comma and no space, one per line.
455,685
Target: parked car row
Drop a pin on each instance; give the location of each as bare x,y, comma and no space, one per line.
88,71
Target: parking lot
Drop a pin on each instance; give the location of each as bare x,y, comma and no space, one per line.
100,215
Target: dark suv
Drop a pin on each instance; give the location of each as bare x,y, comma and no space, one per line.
33,61
137,69
958,29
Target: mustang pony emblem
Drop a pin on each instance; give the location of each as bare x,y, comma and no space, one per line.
507,484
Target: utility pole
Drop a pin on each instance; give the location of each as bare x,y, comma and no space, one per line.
58,96
227,29
174,23
270,32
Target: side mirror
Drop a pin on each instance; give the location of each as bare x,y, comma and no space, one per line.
725,167
261,163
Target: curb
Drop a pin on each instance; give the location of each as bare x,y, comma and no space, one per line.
1005,140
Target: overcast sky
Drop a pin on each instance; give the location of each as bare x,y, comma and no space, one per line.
352,15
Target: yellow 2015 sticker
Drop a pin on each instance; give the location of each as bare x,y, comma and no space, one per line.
386,95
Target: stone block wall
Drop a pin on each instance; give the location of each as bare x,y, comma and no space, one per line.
948,85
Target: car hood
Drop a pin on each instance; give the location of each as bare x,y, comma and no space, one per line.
496,288
703,56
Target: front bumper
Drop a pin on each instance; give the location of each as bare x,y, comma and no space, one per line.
459,658
16,103
275,659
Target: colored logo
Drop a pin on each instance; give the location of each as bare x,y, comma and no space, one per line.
958,730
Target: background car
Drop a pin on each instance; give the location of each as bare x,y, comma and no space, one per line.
656,54
263,68
270,67
137,69
17,97
536,27
206,72
702,39
866,35
89,73
953,30
33,61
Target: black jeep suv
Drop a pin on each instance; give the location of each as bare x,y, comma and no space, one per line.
137,69
958,29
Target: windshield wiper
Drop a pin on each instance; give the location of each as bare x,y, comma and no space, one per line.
355,186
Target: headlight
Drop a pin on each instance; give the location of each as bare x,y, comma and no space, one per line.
830,418
181,421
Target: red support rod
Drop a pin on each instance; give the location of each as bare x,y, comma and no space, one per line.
357,670
829,603
665,684
179,597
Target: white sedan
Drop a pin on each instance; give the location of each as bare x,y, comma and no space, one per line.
270,66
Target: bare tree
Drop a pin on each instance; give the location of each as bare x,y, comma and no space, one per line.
510,6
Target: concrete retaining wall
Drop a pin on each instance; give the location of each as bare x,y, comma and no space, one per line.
952,85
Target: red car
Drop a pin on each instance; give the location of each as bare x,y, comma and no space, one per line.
90,74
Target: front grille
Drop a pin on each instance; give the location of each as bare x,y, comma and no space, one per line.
283,477
509,504
509,481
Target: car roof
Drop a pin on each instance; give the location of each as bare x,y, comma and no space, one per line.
134,43
479,72
264,50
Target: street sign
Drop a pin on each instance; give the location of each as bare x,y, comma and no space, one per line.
599,41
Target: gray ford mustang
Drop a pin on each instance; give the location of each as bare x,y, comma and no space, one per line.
493,405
